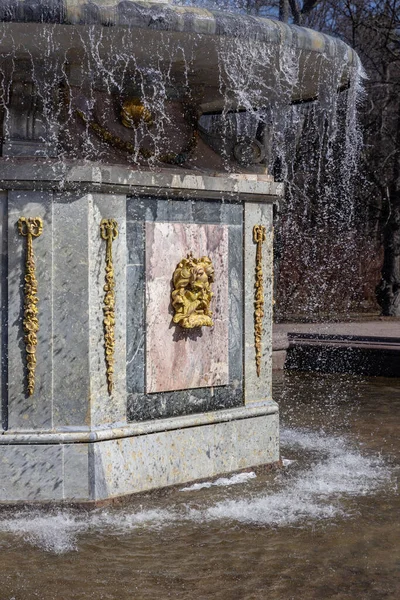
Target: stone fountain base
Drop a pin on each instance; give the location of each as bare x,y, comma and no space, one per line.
184,405
109,463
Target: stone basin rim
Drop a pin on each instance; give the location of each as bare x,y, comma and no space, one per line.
153,15
187,27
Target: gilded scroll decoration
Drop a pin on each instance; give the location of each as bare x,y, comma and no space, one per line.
31,227
259,236
133,113
109,232
191,296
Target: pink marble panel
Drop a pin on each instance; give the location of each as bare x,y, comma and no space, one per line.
177,358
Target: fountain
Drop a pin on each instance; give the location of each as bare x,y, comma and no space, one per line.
137,213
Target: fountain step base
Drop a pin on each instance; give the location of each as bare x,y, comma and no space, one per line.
100,470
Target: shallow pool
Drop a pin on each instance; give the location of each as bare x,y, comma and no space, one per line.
325,526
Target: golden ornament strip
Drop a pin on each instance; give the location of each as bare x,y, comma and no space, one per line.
259,236
109,232
30,228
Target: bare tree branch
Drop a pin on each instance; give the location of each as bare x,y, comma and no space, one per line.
284,10
308,5
296,12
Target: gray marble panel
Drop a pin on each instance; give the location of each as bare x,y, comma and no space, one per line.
170,211
105,407
35,411
3,310
31,473
135,329
257,388
135,242
236,304
141,209
232,213
71,311
142,407
206,212
76,460
187,211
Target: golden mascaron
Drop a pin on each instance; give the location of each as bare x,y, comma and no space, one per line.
192,293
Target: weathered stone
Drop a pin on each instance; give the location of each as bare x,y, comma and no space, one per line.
258,388
72,424
24,412
3,309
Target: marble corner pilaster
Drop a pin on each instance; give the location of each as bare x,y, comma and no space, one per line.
107,408
257,389
71,311
34,412
3,309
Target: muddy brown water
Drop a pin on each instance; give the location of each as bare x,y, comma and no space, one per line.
327,526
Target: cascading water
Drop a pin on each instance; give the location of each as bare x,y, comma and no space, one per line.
322,254
257,92
130,86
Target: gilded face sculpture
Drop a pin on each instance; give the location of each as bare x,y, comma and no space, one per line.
192,293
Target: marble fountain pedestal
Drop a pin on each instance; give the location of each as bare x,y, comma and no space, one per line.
96,99
185,404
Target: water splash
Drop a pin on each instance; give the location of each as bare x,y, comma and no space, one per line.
336,471
58,532
236,479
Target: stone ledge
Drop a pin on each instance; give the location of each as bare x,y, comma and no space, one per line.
54,175
101,434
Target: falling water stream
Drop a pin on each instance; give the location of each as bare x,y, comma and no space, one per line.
83,78
324,526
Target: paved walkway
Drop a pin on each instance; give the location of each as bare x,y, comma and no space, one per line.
380,329
380,337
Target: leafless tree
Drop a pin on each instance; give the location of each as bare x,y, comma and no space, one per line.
373,30
286,8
